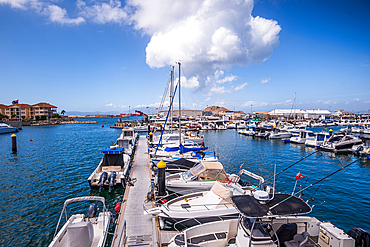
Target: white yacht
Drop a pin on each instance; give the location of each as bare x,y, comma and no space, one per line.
340,142
302,136
320,138
6,128
280,134
266,220
81,230
205,206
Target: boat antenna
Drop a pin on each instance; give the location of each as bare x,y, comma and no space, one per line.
288,167
273,192
331,174
179,104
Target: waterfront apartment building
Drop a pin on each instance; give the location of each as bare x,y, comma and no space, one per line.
26,111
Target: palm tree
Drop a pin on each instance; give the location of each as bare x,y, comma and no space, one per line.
62,112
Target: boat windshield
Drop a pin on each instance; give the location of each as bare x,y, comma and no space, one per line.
188,176
260,230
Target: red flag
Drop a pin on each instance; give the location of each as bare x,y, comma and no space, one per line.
299,176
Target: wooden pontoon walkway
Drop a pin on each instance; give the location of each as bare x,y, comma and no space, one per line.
134,228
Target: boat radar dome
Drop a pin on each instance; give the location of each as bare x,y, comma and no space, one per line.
261,196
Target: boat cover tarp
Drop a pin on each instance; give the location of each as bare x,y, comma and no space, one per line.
113,160
220,190
116,150
171,149
185,149
180,164
250,207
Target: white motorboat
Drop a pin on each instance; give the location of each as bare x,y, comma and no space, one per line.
6,128
280,134
81,230
127,140
203,176
265,221
112,169
340,142
302,136
320,138
202,207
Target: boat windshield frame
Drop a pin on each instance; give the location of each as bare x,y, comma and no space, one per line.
188,176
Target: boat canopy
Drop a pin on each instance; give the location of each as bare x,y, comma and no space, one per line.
184,149
210,170
282,204
220,190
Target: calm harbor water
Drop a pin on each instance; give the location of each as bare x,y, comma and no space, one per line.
53,163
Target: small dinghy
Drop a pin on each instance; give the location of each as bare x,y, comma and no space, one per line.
81,230
112,169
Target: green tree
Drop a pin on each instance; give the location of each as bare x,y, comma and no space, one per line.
14,115
62,112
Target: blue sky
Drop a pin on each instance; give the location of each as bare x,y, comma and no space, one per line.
104,56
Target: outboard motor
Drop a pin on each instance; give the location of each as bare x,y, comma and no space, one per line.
358,149
111,179
103,177
93,209
361,237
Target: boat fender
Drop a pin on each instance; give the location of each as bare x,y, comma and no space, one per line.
112,178
93,209
161,223
102,179
163,201
117,208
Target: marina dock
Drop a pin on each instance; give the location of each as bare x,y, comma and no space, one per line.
133,227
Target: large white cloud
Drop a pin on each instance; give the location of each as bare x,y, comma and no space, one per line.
205,36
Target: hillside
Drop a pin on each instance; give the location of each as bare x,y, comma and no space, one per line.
215,109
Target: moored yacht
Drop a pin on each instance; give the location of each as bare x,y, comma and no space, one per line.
320,138
6,128
302,136
340,142
267,220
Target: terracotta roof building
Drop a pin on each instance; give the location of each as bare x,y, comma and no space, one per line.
26,111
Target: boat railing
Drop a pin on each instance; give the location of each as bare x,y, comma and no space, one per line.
182,224
209,206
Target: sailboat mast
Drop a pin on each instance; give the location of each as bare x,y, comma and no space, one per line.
171,95
179,105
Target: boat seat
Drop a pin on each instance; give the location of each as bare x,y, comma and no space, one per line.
299,240
80,234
